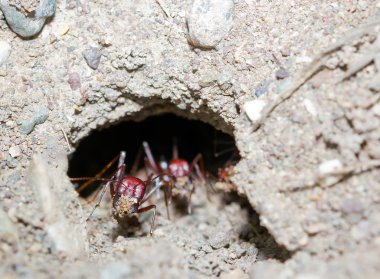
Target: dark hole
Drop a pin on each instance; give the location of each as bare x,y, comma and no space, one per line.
193,137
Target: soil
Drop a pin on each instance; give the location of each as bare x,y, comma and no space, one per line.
308,180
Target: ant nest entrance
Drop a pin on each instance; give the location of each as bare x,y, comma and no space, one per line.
222,233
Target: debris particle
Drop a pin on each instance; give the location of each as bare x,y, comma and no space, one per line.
92,56
64,30
15,151
74,81
254,108
209,22
5,50
282,73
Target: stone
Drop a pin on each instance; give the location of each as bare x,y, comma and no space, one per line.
253,109
39,115
327,170
220,239
15,151
209,21
27,27
92,56
310,107
74,81
329,167
281,73
261,90
5,51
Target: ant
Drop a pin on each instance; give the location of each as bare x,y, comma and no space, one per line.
178,173
228,169
128,193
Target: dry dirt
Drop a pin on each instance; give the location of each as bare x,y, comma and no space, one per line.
308,180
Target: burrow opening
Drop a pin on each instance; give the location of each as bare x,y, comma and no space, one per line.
193,137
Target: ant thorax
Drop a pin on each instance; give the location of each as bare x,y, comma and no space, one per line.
125,206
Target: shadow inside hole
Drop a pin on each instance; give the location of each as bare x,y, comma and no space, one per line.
193,137
256,234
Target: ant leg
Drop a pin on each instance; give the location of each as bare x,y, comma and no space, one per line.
147,208
155,188
110,184
100,199
98,175
167,190
175,149
150,158
189,207
136,162
198,168
168,198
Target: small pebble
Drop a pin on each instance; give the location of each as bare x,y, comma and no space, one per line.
11,162
261,90
5,51
220,240
253,109
74,81
282,73
207,80
209,22
223,78
329,167
310,107
92,56
64,30
15,151
39,116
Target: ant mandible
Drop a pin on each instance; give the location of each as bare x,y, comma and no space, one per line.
177,174
127,192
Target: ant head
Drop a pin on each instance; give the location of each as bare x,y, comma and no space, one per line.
179,168
124,206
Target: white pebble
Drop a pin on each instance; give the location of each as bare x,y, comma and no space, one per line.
15,151
304,59
253,109
5,51
376,109
329,167
310,107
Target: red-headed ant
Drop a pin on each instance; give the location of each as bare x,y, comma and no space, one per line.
177,175
128,193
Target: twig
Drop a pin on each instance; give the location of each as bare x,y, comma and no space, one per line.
67,140
161,7
343,174
317,65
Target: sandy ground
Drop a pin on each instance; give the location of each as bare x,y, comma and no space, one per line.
308,180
